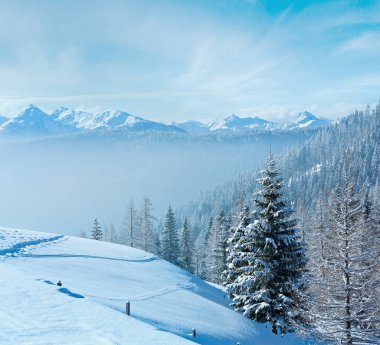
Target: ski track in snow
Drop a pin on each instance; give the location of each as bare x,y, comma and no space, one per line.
39,256
22,248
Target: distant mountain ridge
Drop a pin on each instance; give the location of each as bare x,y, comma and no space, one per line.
34,122
234,123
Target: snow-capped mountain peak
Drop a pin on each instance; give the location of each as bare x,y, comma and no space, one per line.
305,116
32,121
32,111
232,118
236,123
306,120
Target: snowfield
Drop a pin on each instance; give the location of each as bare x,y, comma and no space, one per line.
97,280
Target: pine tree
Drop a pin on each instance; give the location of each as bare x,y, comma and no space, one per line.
145,238
203,246
346,311
106,234
170,243
186,252
156,243
217,256
129,229
270,258
235,235
96,233
113,235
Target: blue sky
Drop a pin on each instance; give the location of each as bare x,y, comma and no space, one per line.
202,59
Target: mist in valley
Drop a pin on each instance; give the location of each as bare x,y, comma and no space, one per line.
61,184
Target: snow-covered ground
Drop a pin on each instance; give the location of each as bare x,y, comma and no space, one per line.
97,280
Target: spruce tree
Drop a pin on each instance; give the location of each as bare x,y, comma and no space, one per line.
203,249
129,228
233,265
96,233
347,284
217,256
186,252
113,234
271,259
170,243
145,239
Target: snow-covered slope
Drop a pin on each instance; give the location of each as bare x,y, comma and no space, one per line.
306,120
97,280
235,123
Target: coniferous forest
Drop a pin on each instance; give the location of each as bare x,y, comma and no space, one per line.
296,243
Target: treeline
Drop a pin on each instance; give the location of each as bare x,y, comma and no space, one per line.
138,229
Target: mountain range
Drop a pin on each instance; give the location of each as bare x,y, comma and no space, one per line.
34,122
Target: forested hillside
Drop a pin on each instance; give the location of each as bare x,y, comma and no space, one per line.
310,169
322,277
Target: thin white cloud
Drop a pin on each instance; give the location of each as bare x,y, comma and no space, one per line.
368,42
175,60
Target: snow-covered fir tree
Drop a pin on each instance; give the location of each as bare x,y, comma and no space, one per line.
270,258
232,270
128,231
106,234
170,244
217,256
96,232
203,245
345,287
237,209
112,234
186,261
145,238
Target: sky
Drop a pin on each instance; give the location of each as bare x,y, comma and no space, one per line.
175,60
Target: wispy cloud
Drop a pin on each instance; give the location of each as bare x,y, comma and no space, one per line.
174,60
367,42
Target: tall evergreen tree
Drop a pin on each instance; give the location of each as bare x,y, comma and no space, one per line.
170,243
112,234
217,256
203,245
128,232
146,238
186,261
96,233
236,233
270,259
345,306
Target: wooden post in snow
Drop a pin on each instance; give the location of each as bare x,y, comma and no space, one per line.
128,308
